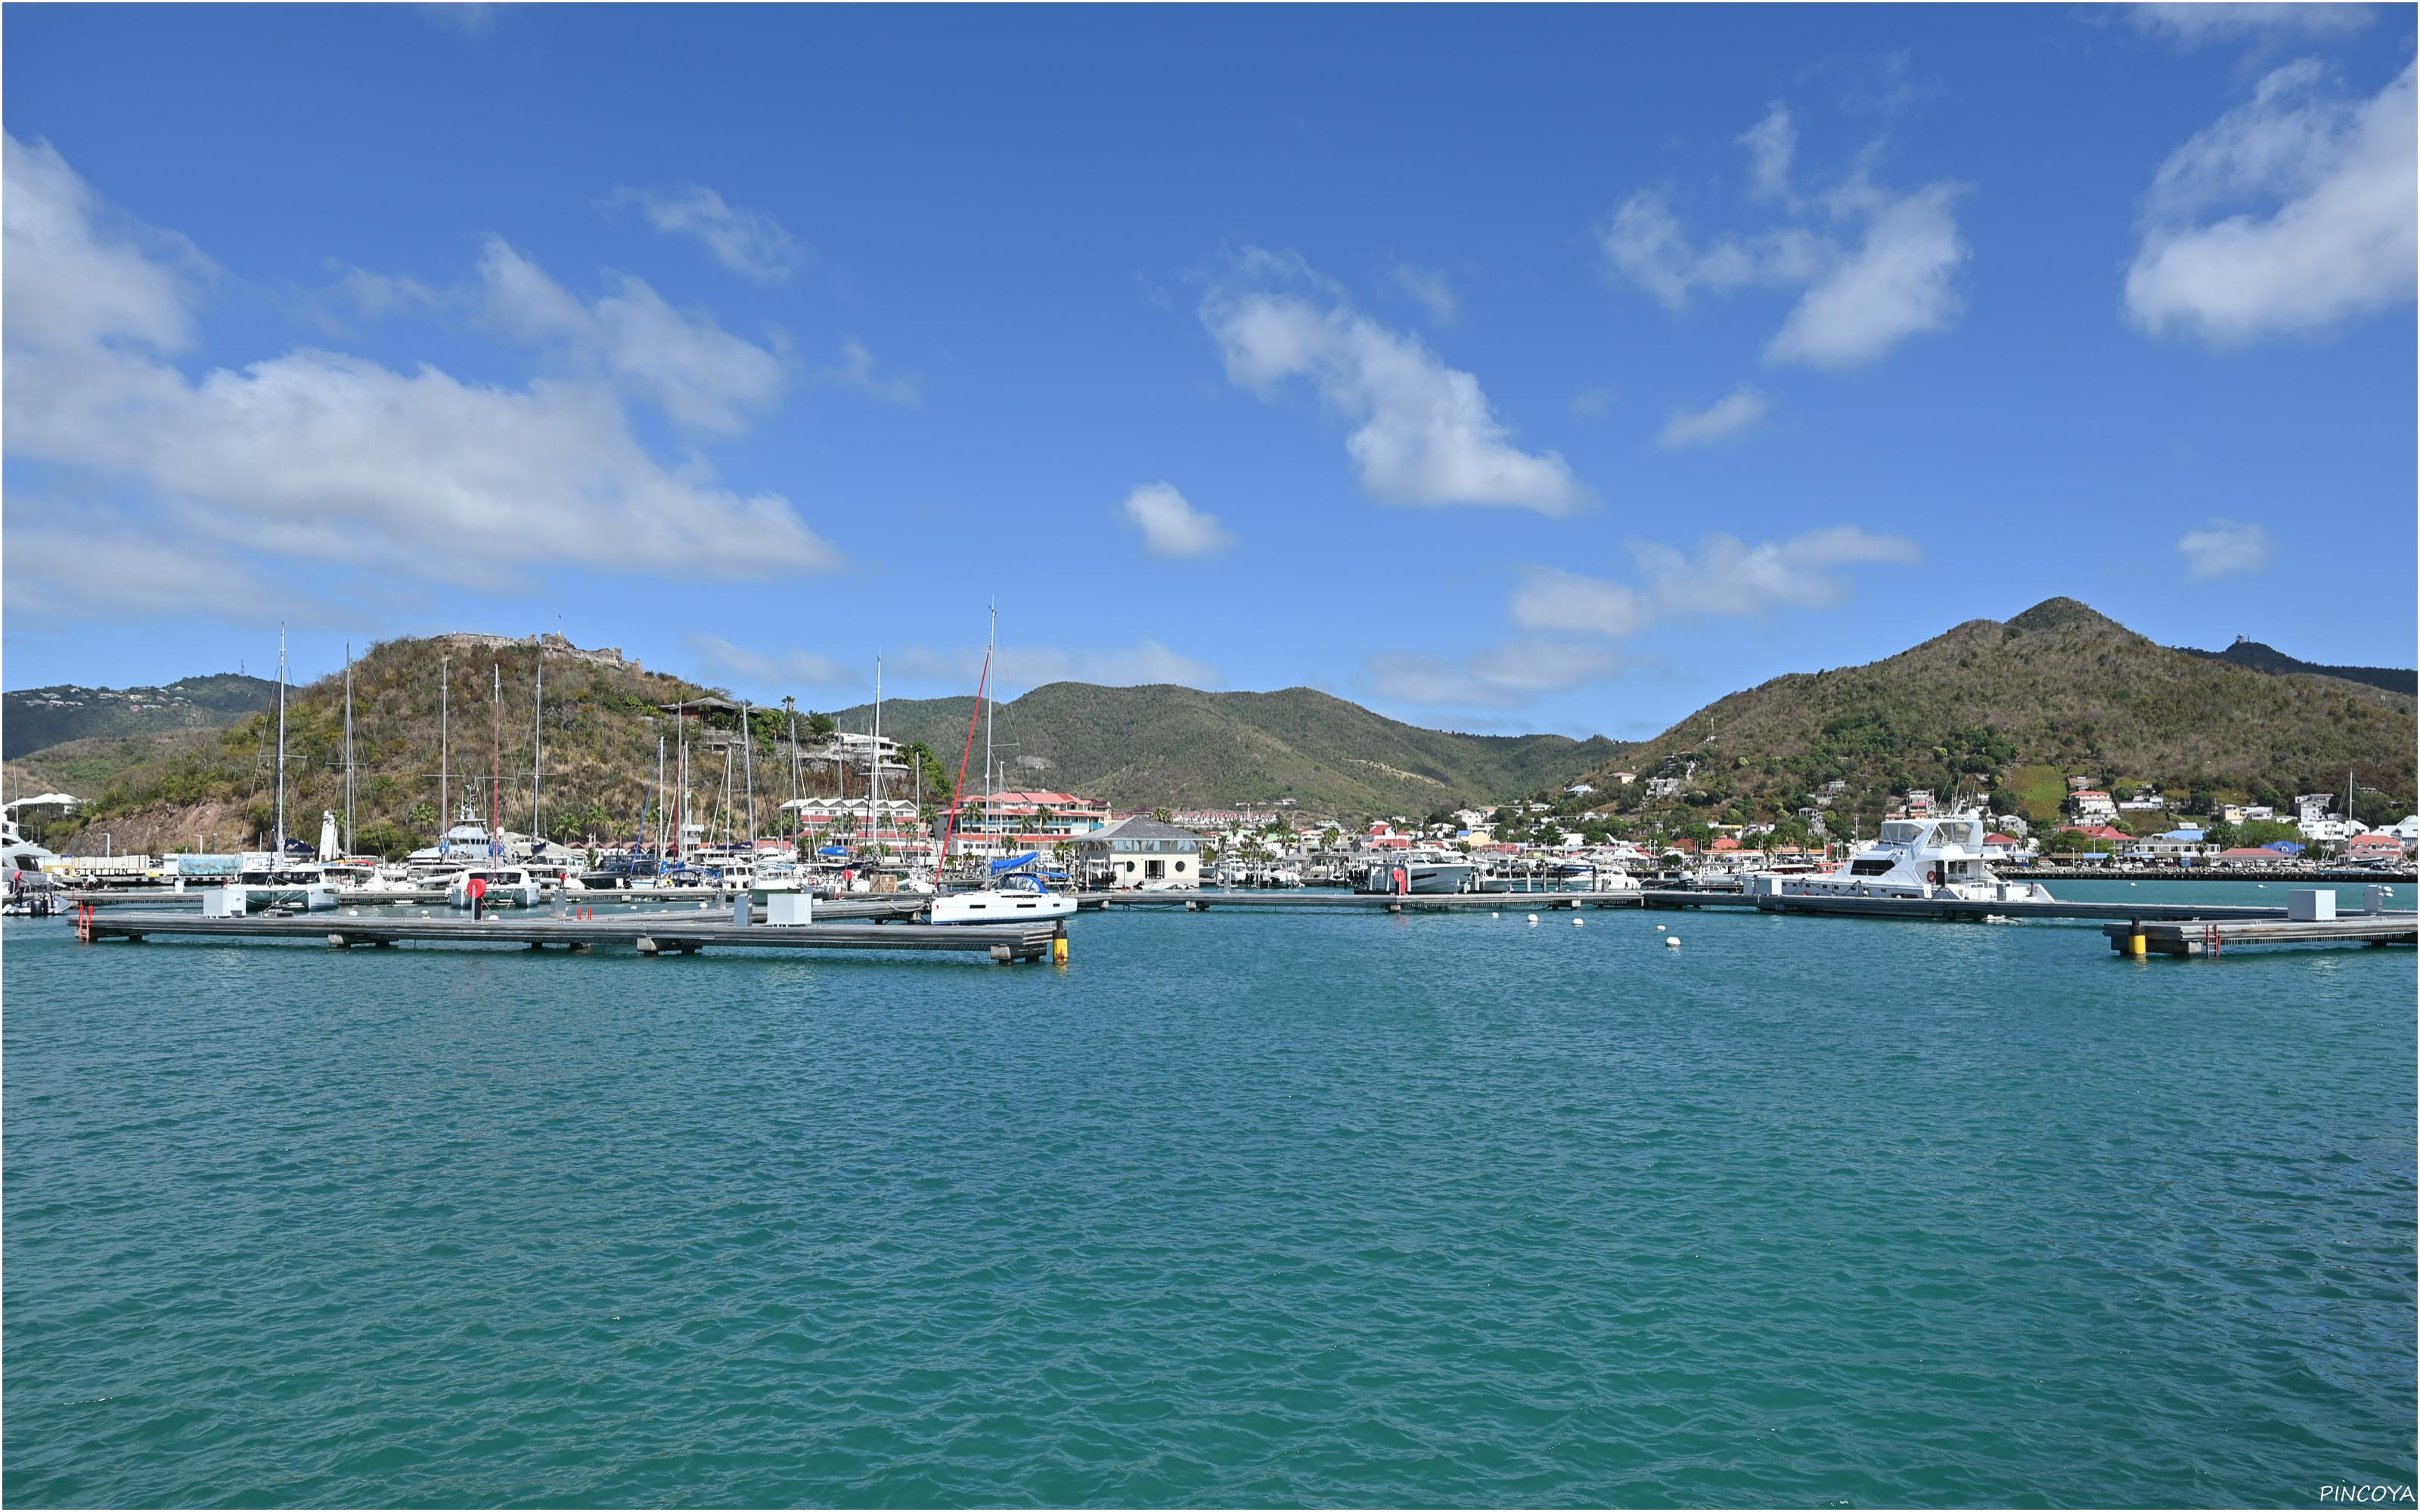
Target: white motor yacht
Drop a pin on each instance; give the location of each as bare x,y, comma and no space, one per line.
1419,869
1912,859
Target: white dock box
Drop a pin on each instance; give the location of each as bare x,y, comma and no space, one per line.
223,903
2309,905
789,908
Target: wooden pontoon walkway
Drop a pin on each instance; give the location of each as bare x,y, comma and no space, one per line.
1384,902
668,932
2218,936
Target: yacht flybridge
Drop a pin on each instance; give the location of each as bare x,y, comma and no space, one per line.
1913,858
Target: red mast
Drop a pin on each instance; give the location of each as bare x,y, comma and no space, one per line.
981,685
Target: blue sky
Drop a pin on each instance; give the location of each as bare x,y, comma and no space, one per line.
1501,369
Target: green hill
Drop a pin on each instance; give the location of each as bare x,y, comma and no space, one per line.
2014,707
215,790
35,717
1164,745
1142,747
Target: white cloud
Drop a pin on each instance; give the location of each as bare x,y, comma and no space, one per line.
1646,243
1171,526
52,573
722,661
2192,23
1505,676
2223,547
1596,403
1424,433
701,377
1727,577
1879,270
749,242
83,284
469,17
2290,214
1771,145
1894,286
856,371
1733,413
1429,287
337,458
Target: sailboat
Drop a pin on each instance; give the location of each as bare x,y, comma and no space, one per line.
272,879
1018,895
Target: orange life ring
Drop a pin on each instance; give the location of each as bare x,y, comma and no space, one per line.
1402,882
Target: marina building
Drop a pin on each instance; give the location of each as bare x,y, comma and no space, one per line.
1010,823
1141,853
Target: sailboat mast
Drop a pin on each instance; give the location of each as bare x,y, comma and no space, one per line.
538,742
349,747
950,824
281,744
444,747
991,649
748,765
656,829
496,763
874,796
790,706
680,776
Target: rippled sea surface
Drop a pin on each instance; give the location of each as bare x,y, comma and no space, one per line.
1330,1209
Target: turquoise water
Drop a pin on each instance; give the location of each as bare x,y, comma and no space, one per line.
1328,1209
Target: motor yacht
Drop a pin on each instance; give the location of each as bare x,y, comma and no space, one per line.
1419,869
1912,859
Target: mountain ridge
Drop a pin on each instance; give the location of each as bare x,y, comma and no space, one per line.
1167,745
2016,707
2261,657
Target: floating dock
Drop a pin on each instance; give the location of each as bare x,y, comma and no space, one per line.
1384,903
2218,936
1961,908
682,933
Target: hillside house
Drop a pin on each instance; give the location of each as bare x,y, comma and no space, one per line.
2377,847
2091,806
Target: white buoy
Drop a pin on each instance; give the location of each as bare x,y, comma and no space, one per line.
1533,918
1672,941
1495,915
1659,929
1578,922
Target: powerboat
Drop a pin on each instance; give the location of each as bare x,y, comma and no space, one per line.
1017,898
1912,859
1417,870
